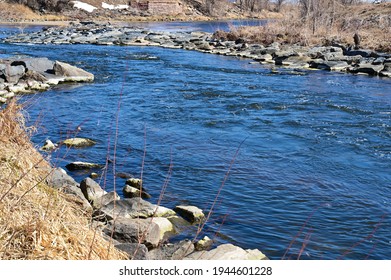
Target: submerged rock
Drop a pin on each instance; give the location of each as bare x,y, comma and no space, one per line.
79,142
80,165
48,146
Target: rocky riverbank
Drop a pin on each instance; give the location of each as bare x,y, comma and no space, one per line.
142,229
332,58
27,74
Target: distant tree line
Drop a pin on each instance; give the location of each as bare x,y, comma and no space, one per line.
316,13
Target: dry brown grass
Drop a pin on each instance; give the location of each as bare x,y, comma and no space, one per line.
20,13
372,22
37,221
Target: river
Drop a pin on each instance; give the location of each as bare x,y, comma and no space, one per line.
310,150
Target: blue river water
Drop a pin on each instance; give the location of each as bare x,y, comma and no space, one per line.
310,151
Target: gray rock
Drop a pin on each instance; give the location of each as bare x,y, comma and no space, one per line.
106,199
79,142
135,251
92,191
60,180
227,252
203,244
267,58
190,213
293,61
134,231
325,52
176,251
367,68
330,65
166,228
135,182
132,208
80,165
37,64
12,74
130,192
71,73
363,53
48,146
179,223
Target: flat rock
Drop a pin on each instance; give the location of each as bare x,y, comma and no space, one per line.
71,73
80,165
190,213
132,208
367,68
79,142
227,252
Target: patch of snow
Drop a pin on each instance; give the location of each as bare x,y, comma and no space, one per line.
83,6
114,7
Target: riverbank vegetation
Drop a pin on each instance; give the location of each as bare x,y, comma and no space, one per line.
37,221
330,22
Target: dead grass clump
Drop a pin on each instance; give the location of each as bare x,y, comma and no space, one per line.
36,221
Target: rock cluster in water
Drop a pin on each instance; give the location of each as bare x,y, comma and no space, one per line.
332,58
141,228
28,74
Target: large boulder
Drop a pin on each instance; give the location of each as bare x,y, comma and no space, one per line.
134,231
367,68
92,191
106,199
59,179
71,73
132,208
191,213
36,64
227,252
11,72
166,228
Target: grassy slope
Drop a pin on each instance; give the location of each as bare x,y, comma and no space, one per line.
36,221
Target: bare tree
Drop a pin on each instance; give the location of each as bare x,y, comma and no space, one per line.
279,5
